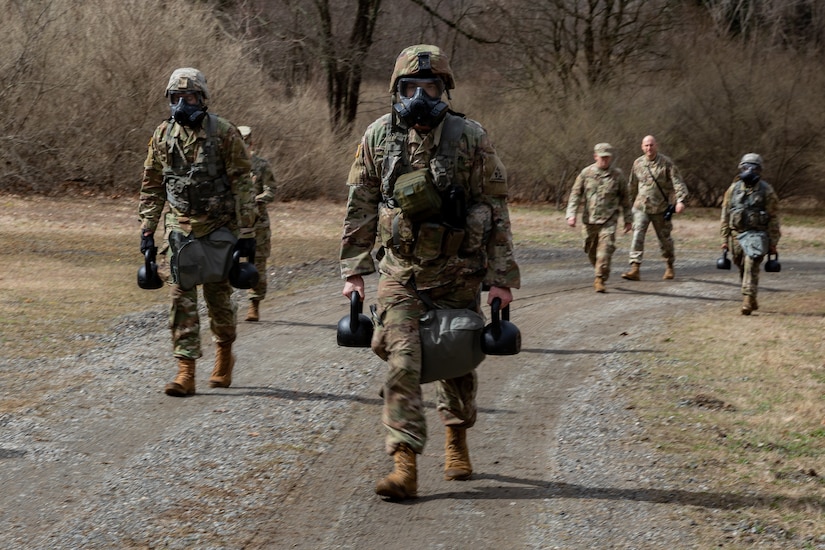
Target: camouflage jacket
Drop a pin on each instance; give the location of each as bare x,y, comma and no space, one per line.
645,194
235,165
761,197
487,248
263,181
604,194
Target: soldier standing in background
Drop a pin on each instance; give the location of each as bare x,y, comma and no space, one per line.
604,191
441,259
197,162
264,184
750,225
653,183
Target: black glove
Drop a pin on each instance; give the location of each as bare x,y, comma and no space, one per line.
147,242
246,248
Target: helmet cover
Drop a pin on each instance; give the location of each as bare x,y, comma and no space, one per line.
422,60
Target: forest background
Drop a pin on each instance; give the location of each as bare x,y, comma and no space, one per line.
82,84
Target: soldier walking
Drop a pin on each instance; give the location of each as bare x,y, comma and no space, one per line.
197,162
430,254
601,192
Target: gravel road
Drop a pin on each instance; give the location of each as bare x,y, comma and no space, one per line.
288,456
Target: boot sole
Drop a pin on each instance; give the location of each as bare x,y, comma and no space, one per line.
178,392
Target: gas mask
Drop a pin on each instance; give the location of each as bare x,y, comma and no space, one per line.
187,114
749,173
422,109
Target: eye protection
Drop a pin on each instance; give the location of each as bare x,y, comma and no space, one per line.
433,87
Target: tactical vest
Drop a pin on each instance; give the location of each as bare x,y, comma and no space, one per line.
200,187
428,206
748,209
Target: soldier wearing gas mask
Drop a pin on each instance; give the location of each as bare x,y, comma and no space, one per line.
198,164
428,186
750,225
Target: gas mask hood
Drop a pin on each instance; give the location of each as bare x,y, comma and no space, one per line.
420,110
187,115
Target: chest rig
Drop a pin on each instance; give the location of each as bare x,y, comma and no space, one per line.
427,207
199,186
748,207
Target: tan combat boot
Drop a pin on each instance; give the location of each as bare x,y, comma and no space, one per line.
224,361
633,274
403,481
253,314
748,303
669,274
598,284
184,383
456,455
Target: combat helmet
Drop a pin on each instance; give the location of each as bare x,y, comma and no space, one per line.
422,60
187,80
751,158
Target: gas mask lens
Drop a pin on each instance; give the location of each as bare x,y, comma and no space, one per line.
433,87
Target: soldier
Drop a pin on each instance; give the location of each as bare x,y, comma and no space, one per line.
264,182
654,180
605,192
750,225
442,261
197,162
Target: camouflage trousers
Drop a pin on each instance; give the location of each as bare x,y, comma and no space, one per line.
397,341
184,320
599,245
748,267
641,221
263,239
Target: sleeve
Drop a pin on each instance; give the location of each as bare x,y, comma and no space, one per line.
575,196
152,189
679,186
361,219
724,230
502,269
238,170
263,172
625,202
632,184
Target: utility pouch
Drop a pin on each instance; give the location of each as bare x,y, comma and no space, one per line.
450,343
204,260
754,243
416,195
429,240
452,242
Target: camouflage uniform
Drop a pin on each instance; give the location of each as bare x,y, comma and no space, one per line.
179,143
264,187
453,280
605,194
649,204
761,198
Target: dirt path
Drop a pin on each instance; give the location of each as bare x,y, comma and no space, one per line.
287,457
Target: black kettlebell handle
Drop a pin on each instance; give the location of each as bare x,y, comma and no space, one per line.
495,311
355,309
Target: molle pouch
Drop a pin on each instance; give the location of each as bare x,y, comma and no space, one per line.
417,195
738,219
478,227
403,235
452,242
429,241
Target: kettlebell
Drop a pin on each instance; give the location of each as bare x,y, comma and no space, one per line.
724,261
355,329
147,275
243,275
773,265
500,336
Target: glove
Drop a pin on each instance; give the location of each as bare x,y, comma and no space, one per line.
246,248
147,242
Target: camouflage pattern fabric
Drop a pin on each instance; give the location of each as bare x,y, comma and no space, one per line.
263,181
397,339
485,255
649,204
601,194
183,319
749,267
